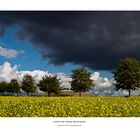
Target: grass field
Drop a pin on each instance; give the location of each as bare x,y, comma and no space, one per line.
69,106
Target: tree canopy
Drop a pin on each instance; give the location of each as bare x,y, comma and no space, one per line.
49,84
3,87
13,86
127,75
28,84
81,81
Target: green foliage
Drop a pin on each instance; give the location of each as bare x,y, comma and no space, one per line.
96,106
81,81
13,86
127,75
28,84
49,84
3,87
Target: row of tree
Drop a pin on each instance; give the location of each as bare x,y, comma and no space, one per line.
12,87
47,84
126,77
81,82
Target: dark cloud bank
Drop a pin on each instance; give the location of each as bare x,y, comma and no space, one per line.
96,40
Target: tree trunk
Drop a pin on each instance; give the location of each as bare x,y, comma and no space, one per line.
129,92
27,93
49,94
80,93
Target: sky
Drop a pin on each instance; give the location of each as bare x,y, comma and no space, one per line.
59,41
29,57
37,54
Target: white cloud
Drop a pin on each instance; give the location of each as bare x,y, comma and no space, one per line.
36,74
64,80
103,86
9,53
7,72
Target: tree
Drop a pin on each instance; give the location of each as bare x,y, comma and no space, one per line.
13,86
28,84
81,81
127,75
3,87
49,84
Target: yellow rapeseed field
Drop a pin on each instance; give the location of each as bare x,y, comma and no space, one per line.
69,106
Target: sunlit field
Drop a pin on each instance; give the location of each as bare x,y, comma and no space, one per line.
69,106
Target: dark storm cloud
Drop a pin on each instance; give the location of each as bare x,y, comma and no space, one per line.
93,39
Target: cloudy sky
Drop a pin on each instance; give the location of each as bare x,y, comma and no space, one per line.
57,42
